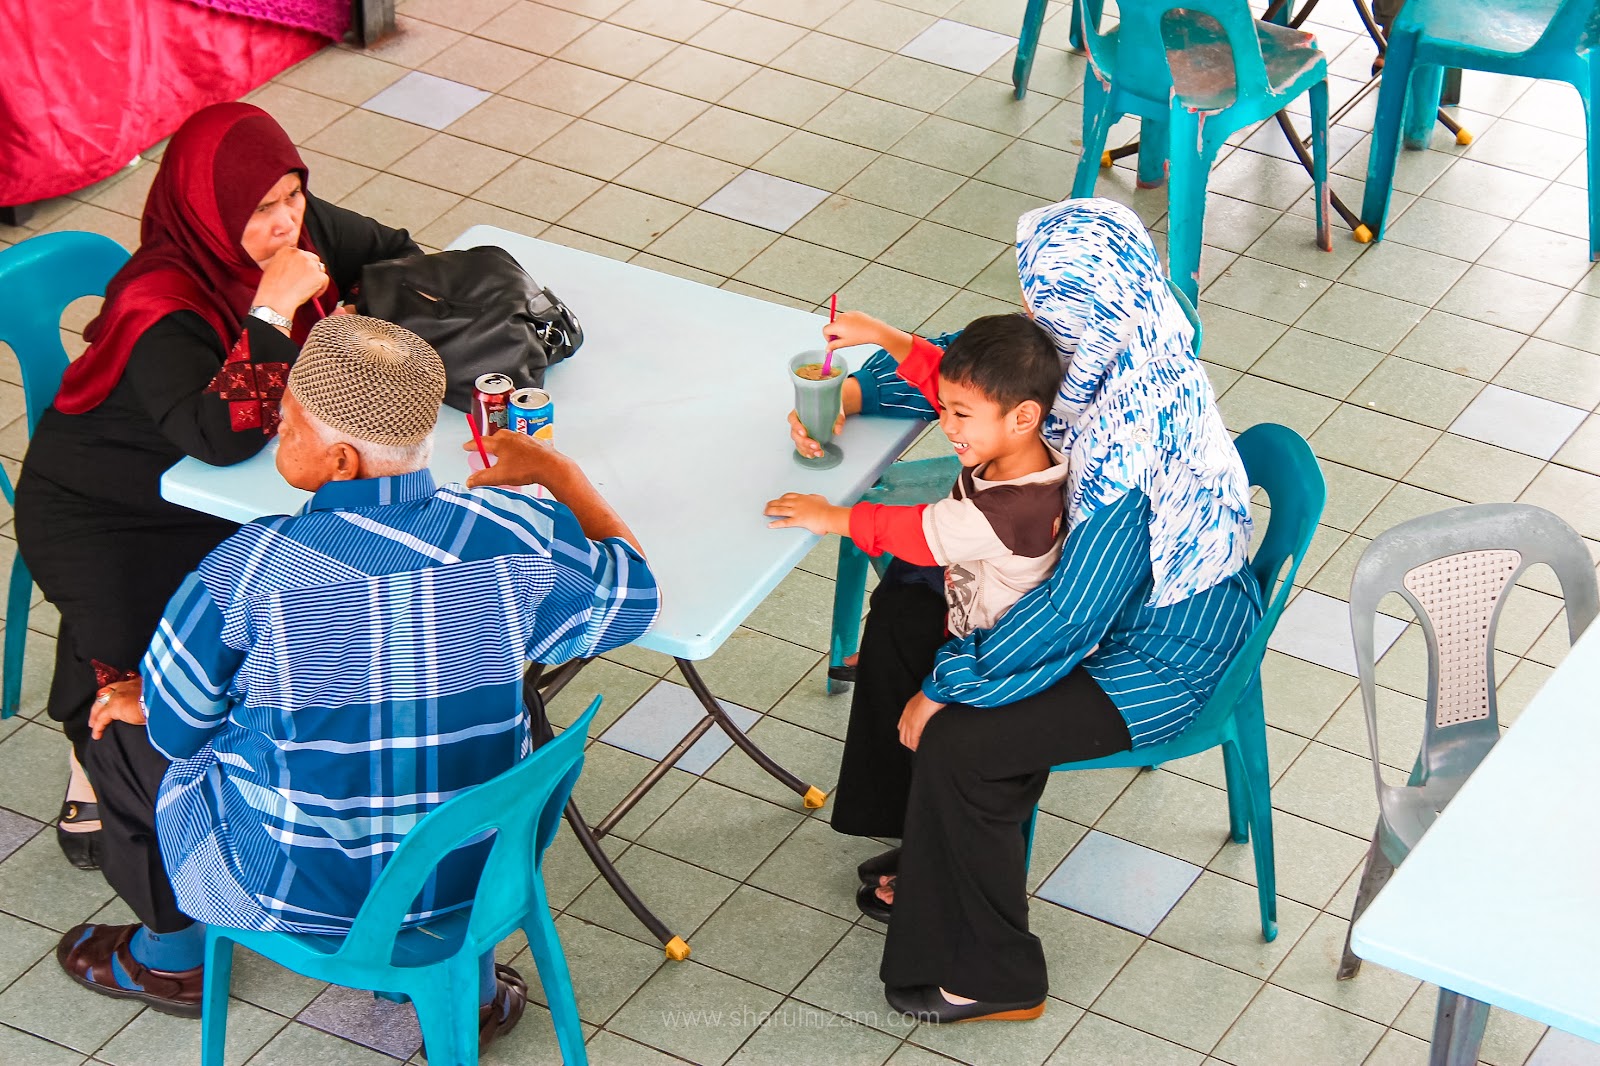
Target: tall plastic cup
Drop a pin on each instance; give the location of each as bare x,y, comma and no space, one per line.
817,401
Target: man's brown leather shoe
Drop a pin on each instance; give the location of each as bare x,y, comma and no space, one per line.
87,954
505,1009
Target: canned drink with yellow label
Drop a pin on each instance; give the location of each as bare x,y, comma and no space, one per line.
534,413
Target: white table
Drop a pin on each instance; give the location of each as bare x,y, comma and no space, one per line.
675,406
1500,901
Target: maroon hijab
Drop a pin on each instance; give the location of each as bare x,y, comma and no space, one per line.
216,170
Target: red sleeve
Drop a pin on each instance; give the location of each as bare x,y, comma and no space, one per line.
877,528
921,368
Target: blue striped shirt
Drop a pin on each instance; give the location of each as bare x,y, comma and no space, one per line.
324,680
1157,664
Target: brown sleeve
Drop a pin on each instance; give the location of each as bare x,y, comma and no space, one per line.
1025,518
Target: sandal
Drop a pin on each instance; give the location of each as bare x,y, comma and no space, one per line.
872,905
81,849
91,955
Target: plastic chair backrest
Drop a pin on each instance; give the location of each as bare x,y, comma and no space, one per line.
1574,27
1279,460
1148,28
522,807
1454,569
38,279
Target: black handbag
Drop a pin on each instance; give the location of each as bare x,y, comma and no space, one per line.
481,312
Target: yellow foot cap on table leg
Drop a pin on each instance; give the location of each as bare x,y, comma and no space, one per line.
814,798
1363,234
1106,160
1463,136
677,950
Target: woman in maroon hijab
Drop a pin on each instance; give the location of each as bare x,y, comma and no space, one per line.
188,357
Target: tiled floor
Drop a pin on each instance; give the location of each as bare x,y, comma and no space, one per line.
791,148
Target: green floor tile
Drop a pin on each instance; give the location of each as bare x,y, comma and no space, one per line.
1254,399
1083,796
1377,993
800,269
1502,299
1281,1026
1574,322
812,757
1219,919
1554,371
20,1049
721,829
1096,1041
1446,229
1264,290
154,1039
913,83
1416,274
46,1003
954,146
1369,319
865,121
753,669
1367,440
1416,392
1000,1045
985,209
1171,814
606,967
1313,860
767,939
610,773
896,297
1332,787
798,1032
680,894
663,1014
1177,996
1468,470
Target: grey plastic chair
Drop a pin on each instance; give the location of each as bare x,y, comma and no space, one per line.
1454,568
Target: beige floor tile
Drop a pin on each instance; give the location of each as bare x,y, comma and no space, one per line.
731,135
414,42
343,74
711,242
468,213
368,138
509,125
401,203
486,64
830,59
449,162
534,188
1219,919
624,217
615,50
646,111
563,87
301,114
1281,1026
697,72
780,97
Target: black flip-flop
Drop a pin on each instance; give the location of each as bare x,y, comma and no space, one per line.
81,849
872,905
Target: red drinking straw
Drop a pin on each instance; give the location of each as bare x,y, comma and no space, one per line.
477,438
833,313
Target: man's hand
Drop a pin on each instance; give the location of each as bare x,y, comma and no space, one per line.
809,512
519,460
116,702
915,718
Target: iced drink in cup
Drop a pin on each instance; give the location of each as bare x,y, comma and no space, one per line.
817,401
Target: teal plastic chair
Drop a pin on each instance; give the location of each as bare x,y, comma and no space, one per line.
1279,461
1028,37
1518,37
1168,63
907,483
38,279
436,965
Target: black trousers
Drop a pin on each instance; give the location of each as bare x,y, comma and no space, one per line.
959,803
126,772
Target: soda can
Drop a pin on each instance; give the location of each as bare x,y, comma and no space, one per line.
491,395
534,413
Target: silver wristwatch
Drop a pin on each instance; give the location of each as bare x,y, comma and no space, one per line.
270,317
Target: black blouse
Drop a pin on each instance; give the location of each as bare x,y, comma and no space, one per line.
161,409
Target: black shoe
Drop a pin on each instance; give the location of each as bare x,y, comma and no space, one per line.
81,849
927,1004
878,866
872,905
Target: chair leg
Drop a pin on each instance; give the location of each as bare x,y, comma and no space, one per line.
1238,793
1591,111
1097,121
1257,775
1458,1024
214,999
1422,110
1374,875
1385,151
1152,153
448,1015
16,643
1028,44
1075,33
545,946
1319,163
1186,200
849,588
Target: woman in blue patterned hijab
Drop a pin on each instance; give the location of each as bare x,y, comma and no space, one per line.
1135,410
951,740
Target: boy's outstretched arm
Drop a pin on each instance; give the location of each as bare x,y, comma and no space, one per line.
876,528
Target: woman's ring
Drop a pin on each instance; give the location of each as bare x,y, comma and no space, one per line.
103,698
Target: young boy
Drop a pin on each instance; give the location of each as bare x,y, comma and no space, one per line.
999,534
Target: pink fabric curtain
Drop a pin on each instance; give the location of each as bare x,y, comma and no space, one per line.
330,18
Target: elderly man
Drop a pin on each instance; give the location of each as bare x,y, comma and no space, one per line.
324,680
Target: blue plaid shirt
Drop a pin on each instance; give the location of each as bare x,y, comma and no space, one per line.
326,679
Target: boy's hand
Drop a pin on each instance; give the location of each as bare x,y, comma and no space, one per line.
802,440
915,718
811,512
855,327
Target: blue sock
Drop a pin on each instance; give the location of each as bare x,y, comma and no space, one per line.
486,979
183,950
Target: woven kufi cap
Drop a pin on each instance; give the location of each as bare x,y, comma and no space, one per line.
371,379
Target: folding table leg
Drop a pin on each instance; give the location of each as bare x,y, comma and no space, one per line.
675,946
1457,1030
810,795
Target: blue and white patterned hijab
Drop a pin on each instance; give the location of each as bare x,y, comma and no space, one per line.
1135,409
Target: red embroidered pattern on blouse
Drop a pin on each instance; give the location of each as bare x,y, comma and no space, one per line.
251,389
